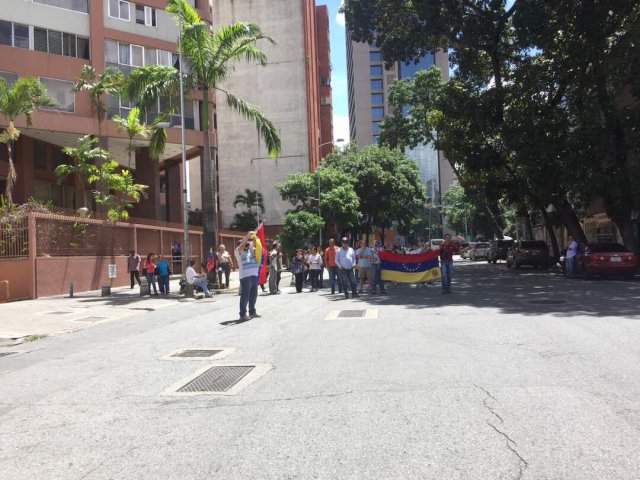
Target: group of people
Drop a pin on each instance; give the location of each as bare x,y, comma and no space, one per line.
156,269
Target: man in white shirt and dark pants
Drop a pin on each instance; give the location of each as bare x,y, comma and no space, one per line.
346,262
197,280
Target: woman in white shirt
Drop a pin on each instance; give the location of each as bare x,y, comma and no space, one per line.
315,264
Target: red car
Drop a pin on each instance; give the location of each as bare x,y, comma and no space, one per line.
606,259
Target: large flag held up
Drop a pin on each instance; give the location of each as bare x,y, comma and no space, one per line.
261,254
418,268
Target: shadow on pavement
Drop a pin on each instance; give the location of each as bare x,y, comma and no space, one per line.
521,292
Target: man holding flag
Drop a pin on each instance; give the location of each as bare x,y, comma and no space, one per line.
250,256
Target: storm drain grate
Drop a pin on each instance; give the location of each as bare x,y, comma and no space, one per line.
352,313
6,354
196,353
216,379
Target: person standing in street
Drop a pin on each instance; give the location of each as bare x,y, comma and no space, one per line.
346,262
163,271
248,264
273,270
197,280
150,273
133,267
224,266
315,265
297,269
376,266
330,262
570,257
363,254
447,250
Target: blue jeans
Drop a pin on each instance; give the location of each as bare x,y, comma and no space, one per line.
163,283
203,283
447,270
151,280
377,278
248,295
570,264
334,278
348,279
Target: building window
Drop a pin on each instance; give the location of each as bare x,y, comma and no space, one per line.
377,113
375,70
325,81
6,35
62,92
374,140
377,98
59,195
75,5
60,43
376,84
55,42
20,36
146,16
375,127
9,79
119,9
375,56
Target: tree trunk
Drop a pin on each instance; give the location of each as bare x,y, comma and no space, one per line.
570,220
209,212
552,234
495,223
11,176
621,217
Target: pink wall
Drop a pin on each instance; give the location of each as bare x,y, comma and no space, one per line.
19,274
54,274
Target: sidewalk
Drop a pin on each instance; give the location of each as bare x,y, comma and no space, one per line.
31,319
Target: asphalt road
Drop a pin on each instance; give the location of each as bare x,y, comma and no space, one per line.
515,375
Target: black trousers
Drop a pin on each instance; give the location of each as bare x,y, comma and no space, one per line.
315,278
299,281
134,274
226,269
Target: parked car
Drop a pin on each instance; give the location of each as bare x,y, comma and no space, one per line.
479,250
529,252
498,250
467,248
605,259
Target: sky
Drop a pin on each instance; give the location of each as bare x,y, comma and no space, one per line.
339,70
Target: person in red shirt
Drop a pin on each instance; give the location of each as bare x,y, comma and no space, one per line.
446,251
330,265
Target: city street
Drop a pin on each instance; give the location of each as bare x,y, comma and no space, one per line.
515,375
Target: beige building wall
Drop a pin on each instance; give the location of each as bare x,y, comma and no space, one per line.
165,29
280,90
38,15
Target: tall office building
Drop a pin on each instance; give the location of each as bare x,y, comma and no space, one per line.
287,90
324,70
53,40
369,82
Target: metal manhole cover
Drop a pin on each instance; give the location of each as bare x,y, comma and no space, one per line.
5,354
547,302
352,313
196,353
216,379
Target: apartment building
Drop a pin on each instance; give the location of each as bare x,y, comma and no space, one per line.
369,81
324,70
288,92
53,40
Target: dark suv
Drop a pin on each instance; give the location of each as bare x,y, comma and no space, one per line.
498,250
533,252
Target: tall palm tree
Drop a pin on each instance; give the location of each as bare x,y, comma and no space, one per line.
132,127
22,98
250,198
209,58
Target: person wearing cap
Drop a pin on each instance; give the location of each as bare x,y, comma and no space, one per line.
346,262
246,256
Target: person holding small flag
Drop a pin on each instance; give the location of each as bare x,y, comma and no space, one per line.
446,252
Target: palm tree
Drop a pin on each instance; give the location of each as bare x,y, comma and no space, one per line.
250,199
209,57
22,98
85,156
132,127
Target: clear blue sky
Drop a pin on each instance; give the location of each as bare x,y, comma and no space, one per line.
339,70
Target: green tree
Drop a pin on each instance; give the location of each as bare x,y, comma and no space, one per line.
23,98
85,155
300,229
387,184
121,190
338,199
249,199
132,127
209,59
248,219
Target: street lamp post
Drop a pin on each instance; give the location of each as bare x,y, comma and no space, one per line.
339,140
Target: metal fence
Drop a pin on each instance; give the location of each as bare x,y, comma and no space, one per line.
14,238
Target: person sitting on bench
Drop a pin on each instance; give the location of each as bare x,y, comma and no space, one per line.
197,280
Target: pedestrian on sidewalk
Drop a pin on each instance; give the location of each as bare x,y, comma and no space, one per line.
447,250
224,266
315,265
570,257
297,269
376,266
330,262
133,267
273,270
246,255
150,272
363,255
346,261
163,271
196,279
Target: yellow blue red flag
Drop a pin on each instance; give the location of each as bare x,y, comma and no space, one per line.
418,268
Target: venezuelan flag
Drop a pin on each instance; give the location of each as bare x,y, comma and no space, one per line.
409,268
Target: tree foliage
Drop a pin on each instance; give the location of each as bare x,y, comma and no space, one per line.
300,229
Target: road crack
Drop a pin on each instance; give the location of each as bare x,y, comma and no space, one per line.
486,405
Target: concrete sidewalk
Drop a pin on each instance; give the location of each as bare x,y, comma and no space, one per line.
30,319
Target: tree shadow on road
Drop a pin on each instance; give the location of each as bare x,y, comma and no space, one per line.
521,292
